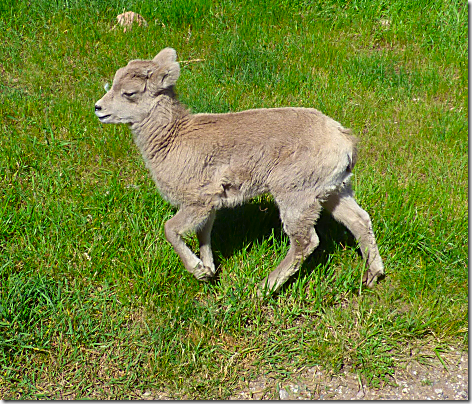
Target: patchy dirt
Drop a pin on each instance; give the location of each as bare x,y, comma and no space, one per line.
128,19
429,380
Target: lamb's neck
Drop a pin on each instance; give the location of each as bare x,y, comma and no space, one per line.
155,135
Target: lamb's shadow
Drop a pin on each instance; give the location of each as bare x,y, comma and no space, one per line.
238,227
251,223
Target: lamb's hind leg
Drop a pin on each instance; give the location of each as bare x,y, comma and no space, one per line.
298,215
345,209
189,219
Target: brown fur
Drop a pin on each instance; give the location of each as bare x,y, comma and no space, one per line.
203,162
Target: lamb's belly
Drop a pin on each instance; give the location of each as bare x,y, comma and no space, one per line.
233,196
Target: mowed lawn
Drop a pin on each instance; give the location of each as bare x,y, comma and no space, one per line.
95,304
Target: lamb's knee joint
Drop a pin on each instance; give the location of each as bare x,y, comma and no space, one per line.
169,232
308,243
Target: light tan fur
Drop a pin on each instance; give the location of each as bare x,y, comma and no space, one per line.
203,162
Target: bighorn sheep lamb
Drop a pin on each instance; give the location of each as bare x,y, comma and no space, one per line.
203,162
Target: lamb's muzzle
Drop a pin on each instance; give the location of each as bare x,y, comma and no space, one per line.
203,162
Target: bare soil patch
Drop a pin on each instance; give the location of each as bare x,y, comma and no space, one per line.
429,380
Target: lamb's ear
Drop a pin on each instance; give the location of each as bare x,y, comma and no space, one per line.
165,56
164,77
170,75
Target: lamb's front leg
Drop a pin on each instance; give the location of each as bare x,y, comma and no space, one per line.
204,238
186,220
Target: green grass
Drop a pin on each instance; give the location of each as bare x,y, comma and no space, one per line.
94,303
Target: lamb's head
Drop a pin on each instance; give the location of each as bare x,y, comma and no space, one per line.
136,87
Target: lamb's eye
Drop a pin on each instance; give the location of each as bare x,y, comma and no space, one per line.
129,94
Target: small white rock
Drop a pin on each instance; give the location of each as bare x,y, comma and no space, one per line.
438,391
360,394
283,395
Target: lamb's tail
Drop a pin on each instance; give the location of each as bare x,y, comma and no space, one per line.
352,154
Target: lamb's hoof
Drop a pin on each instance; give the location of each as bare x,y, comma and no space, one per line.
369,280
261,293
203,273
264,290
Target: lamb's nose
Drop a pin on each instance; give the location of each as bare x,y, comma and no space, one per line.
98,107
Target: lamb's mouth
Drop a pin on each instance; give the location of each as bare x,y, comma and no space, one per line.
104,117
